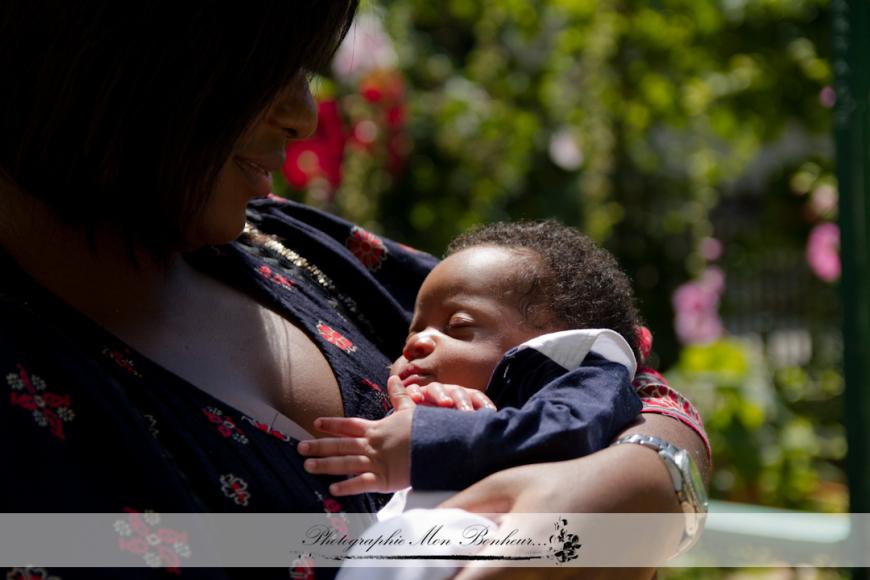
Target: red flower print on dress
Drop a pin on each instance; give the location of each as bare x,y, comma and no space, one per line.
29,573
266,429
235,488
379,394
335,514
225,424
335,338
302,568
657,396
49,409
267,273
159,547
367,248
151,424
123,360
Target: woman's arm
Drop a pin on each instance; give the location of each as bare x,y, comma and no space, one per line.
626,478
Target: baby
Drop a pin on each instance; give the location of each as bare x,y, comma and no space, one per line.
534,315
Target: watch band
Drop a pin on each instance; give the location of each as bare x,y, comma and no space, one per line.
687,483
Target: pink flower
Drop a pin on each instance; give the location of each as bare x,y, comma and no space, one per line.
367,47
711,249
827,97
823,251
696,308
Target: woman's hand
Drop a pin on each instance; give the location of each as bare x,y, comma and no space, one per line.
626,478
377,453
451,396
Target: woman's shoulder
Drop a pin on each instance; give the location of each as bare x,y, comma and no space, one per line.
371,250
382,276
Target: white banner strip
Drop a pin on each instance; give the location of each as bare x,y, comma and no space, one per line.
429,538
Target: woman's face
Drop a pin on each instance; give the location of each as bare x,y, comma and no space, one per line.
259,152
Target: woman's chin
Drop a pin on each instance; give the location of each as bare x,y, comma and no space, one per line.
216,230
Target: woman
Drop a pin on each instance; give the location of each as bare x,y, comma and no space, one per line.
152,362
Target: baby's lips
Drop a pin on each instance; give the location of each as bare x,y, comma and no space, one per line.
414,375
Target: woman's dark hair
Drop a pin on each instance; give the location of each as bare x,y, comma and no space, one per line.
126,111
567,281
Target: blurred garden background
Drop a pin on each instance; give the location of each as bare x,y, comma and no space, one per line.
693,138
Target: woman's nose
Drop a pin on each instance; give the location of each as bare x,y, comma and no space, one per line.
295,111
418,346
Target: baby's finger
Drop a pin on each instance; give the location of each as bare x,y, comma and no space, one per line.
398,395
415,393
460,397
347,426
346,465
481,401
334,446
363,483
436,395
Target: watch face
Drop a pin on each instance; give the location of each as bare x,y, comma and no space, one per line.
693,483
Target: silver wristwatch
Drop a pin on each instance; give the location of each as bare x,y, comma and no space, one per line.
687,481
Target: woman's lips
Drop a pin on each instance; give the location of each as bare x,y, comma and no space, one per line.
257,176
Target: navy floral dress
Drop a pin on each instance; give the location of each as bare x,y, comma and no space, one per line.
89,425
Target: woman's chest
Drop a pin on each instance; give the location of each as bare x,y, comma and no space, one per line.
249,357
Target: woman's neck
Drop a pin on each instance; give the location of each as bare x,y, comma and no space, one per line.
94,274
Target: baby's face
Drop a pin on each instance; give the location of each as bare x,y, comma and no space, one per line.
465,319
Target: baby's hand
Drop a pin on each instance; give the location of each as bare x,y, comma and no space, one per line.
454,396
378,453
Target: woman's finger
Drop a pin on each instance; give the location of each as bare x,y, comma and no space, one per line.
362,483
345,465
497,493
346,426
334,446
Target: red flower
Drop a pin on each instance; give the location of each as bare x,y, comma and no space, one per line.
235,488
159,547
267,273
379,393
367,248
333,337
48,409
303,569
331,505
320,155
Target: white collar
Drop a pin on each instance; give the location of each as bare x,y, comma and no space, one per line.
568,348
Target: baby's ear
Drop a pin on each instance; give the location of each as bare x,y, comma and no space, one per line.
644,342
537,316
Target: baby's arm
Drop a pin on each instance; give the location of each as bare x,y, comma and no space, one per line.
573,415
450,396
378,453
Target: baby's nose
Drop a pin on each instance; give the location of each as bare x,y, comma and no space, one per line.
419,346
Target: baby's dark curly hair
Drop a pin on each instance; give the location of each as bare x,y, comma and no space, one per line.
567,282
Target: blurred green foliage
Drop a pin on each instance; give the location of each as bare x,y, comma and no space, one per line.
652,126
